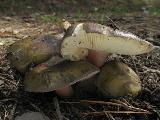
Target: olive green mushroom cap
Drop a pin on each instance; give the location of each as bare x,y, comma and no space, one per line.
44,79
116,79
28,51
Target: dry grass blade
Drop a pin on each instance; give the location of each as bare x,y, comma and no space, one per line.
114,112
109,116
8,99
68,102
57,108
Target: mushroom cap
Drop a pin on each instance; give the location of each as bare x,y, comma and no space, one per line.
29,51
75,33
116,79
92,36
43,79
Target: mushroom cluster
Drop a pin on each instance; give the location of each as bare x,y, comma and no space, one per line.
50,64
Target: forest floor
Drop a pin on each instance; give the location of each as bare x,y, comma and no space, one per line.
14,100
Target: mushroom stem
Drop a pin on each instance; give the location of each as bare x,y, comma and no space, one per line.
97,58
65,91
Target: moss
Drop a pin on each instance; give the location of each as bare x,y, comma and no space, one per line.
154,11
51,18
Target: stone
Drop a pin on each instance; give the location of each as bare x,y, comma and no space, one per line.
32,116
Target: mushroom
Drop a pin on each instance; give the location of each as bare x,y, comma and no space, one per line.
47,56
43,78
92,36
116,79
83,40
33,51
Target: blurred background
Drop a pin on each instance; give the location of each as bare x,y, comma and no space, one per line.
77,8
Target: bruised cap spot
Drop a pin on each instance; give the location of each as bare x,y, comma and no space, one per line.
83,52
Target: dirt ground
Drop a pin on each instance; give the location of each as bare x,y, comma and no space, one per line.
14,100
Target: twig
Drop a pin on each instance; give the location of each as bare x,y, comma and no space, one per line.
109,116
34,106
113,22
118,103
125,101
8,99
92,108
114,112
130,107
6,114
63,102
57,108
154,90
99,102
65,118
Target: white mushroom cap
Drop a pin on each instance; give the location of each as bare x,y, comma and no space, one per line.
70,44
101,38
69,50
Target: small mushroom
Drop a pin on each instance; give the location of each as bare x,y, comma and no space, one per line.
30,51
92,36
43,78
116,79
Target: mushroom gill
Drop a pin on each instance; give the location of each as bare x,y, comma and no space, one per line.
98,37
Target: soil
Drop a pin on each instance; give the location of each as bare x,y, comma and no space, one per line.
15,101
